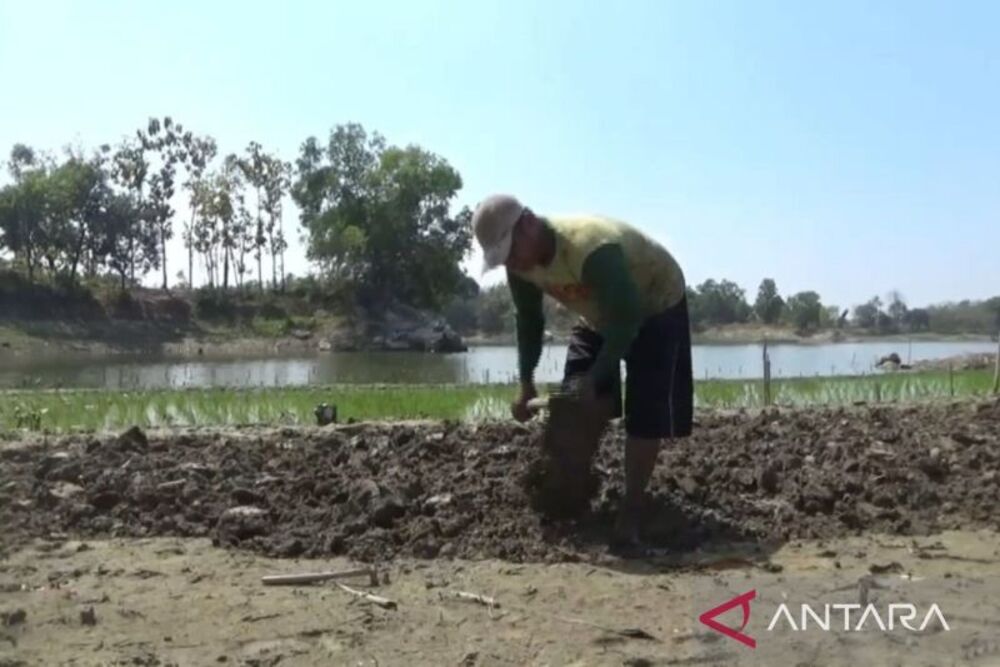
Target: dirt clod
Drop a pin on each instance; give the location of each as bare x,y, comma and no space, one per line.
133,440
11,618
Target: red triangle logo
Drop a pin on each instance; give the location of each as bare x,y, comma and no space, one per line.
741,601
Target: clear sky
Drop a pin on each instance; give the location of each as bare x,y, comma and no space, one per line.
846,147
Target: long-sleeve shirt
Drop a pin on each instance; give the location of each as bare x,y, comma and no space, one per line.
610,273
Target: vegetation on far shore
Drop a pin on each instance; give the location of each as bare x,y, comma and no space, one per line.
80,230
102,410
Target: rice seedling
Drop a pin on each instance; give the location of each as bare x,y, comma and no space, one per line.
96,410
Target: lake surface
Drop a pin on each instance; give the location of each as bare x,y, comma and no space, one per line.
480,364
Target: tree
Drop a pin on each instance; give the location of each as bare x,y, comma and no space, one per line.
830,317
200,151
254,167
22,207
204,231
225,202
131,170
50,213
379,216
897,307
496,310
804,310
80,193
116,240
769,304
277,184
992,306
866,315
917,319
722,302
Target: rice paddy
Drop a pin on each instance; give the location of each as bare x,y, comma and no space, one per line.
60,411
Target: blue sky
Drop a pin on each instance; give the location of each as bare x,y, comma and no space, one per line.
846,147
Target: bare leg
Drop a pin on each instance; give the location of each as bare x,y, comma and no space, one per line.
640,459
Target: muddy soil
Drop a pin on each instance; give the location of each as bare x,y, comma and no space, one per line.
375,492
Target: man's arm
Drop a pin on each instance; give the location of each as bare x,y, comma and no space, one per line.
606,272
530,325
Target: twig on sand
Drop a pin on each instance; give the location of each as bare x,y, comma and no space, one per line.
254,619
385,603
313,577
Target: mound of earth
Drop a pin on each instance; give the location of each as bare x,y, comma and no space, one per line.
377,491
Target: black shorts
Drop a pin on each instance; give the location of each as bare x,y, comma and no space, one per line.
659,385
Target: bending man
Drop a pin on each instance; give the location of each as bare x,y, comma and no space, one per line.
630,294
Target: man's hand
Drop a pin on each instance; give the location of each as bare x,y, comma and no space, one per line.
519,408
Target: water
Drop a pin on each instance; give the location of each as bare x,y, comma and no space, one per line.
480,364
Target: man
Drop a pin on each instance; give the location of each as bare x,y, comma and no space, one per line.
630,293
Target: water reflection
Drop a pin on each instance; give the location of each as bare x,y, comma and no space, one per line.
487,364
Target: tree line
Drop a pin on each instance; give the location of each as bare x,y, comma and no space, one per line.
377,218
110,210
720,303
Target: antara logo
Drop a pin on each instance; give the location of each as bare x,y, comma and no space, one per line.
869,617
743,602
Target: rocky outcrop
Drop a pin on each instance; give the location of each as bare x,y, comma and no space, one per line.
401,327
397,327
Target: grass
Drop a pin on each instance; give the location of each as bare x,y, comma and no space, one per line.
99,410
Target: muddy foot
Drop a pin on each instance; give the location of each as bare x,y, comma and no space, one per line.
625,540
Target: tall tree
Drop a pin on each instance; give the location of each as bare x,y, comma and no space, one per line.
278,182
254,165
165,139
897,307
200,151
131,171
769,304
867,314
204,234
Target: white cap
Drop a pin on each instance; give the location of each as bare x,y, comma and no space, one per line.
493,223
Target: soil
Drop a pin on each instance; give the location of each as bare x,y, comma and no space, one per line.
379,491
111,544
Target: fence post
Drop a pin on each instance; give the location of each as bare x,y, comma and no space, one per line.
996,369
767,376
951,379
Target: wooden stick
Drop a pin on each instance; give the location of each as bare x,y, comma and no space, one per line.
996,369
313,577
385,603
475,597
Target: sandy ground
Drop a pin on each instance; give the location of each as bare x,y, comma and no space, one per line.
164,601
